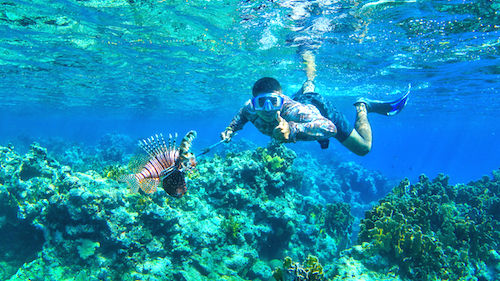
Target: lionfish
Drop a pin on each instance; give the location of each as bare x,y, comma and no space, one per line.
167,165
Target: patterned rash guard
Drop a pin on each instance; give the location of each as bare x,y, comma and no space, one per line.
305,120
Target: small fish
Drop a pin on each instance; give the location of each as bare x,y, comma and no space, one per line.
166,164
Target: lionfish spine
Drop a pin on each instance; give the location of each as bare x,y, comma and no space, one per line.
144,144
161,156
171,148
161,143
171,142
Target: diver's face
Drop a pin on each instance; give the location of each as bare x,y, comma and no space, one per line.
268,116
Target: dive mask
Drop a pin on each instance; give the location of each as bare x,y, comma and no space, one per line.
267,102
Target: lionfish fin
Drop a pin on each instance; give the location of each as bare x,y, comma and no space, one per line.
131,181
163,144
137,162
148,185
144,144
160,148
154,145
171,142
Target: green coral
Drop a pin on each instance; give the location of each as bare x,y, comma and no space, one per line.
232,227
276,157
274,163
141,202
337,219
114,171
433,230
310,270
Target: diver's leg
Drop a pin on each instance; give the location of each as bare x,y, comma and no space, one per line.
310,62
360,139
308,87
362,125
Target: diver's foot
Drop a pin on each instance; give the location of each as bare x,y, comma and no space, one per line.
388,108
375,106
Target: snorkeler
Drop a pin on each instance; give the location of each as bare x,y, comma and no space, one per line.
308,116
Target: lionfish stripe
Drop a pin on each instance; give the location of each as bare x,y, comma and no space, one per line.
162,162
139,176
147,170
159,166
156,168
152,170
157,162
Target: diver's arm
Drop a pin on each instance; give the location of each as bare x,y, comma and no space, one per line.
239,120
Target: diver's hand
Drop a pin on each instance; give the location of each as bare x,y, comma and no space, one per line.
282,131
227,135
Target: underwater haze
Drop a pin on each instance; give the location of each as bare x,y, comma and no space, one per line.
79,78
79,69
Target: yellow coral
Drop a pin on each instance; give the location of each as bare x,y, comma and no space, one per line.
114,172
274,162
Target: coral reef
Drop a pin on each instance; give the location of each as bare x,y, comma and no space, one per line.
112,147
245,210
343,182
432,230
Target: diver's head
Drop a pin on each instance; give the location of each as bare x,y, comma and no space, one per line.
267,98
266,85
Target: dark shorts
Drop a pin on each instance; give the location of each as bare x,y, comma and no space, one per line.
328,110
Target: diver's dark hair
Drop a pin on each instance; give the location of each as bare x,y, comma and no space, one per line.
265,85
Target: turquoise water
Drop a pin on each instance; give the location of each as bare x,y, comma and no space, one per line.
74,71
79,69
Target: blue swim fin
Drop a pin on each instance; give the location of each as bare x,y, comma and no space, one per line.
388,108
